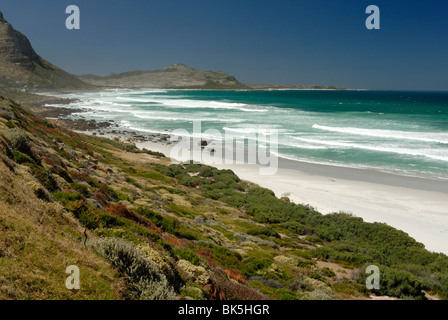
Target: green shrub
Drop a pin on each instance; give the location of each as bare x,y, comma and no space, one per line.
186,254
82,189
317,295
155,290
285,294
133,182
305,264
176,191
181,211
121,233
63,174
187,181
92,182
109,192
313,239
20,158
207,172
155,153
328,272
351,288
229,196
166,224
193,292
124,197
397,283
267,231
152,175
144,281
254,265
65,197
174,170
268,282
109,221
225,257
293,226
45,177
85,214
18,139
317,276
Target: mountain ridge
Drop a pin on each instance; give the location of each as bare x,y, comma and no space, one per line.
181,76
22,68
171,77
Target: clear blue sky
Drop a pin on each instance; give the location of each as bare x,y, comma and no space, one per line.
258,41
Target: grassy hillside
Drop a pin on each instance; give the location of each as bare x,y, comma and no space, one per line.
139,227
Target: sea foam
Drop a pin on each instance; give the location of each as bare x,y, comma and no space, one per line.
417,136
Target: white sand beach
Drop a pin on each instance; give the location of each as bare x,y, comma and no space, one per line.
417,206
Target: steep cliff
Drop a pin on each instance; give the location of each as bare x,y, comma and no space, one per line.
22,68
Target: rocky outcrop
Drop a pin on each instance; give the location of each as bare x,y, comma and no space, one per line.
16,48
21,67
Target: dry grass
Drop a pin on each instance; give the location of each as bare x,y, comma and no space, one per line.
38,240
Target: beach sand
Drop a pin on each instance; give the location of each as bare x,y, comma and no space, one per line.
415,205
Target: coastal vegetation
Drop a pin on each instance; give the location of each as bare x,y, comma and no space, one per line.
140,227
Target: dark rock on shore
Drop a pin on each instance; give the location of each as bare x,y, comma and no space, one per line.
52,112
81,124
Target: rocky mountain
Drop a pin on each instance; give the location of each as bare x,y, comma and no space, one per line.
175,76
22,68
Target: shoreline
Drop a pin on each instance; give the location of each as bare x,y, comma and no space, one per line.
414,205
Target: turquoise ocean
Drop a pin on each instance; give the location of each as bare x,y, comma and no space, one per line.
404,133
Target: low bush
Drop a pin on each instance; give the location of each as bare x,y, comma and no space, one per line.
267,231
174,170
166,224
63,174
303,264
186,254
187,181
80,188
254,265
268,282
229,290
397,283
86,215
293,226
21,158
155,153
351,288
223,256
181,211
144,280
85,177
18,140
66,197
45,177
108,192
